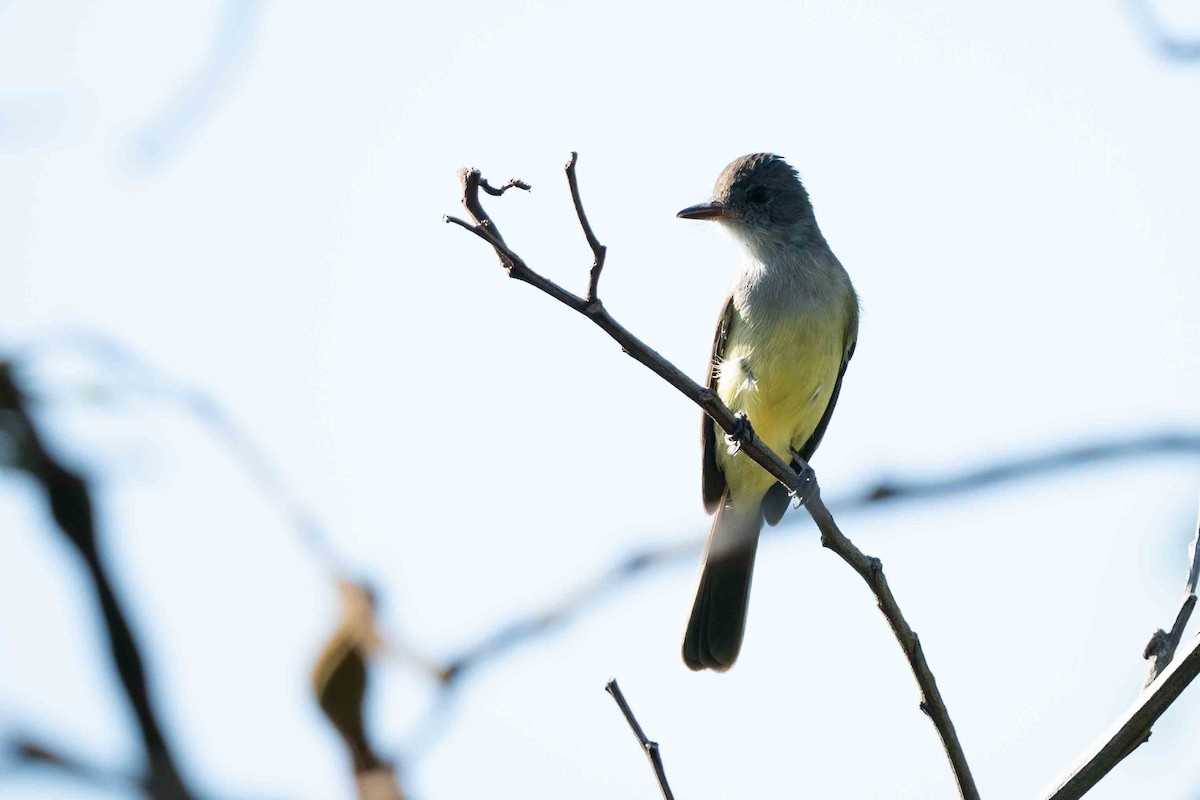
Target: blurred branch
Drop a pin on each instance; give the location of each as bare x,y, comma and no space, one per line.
28,752
1161,648
71,506
805,489
339,683
1002,471
649,747
130,371
150,147
631,566
1169,44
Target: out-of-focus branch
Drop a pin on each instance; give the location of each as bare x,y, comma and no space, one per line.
71,505
339,683
804,488
1001,471
649,747
26,751
157,141
632,566
1161,648
1169,44
129,372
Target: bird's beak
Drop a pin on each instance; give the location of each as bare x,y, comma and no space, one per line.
711,210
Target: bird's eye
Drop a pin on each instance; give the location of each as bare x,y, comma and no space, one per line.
758,195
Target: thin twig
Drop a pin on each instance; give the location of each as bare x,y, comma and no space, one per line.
599,251
870,569
1161,648
648,746
1131,730
806,491
128,371
512,184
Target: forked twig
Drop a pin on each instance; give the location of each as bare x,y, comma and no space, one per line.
648,746
1130,730
1164,683
599,251
1161,648
807,491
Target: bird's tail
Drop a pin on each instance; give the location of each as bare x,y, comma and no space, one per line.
714,632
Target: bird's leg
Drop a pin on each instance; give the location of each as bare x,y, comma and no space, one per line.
808,479
741,433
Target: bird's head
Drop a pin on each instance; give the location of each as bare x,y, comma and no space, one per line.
755,195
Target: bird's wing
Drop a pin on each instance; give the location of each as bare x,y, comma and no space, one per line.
775,502
712,479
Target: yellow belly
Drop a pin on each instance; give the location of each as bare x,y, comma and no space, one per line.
781,376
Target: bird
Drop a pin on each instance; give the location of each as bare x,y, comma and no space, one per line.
784,337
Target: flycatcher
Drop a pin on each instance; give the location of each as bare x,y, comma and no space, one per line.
783,341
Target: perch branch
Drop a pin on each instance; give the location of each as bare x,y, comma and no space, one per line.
648,746
870,569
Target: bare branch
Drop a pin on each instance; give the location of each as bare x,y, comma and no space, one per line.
650,747
512,184
1161,648
806,491
1131,730
599,251
870,569
127,371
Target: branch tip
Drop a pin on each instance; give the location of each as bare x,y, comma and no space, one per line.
650,748
513,183
1155,646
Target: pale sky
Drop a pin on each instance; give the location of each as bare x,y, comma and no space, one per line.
250,196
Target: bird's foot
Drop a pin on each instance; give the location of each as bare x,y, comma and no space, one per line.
808,480
741,433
